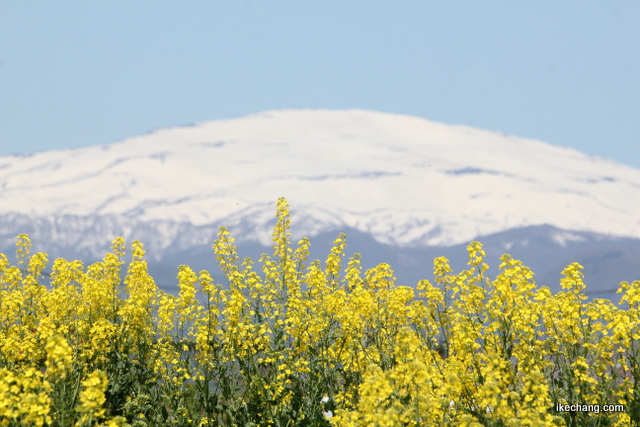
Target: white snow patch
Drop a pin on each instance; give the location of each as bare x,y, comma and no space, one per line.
562,237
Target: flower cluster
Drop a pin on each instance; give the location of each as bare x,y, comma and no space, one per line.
297,343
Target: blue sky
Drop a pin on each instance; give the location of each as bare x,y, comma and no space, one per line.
78,73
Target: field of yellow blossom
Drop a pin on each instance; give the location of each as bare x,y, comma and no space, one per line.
289,342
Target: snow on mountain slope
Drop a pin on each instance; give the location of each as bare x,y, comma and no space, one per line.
405,180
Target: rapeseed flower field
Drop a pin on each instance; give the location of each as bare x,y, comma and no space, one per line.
289,342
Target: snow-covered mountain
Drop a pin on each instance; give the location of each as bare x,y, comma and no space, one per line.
405,181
